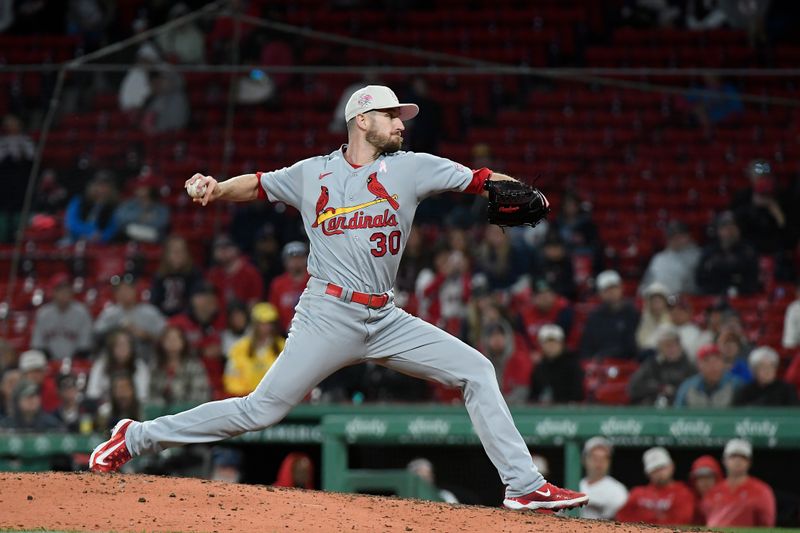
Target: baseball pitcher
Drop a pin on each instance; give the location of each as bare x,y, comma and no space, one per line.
358,204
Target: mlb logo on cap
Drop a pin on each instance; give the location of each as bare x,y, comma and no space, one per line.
374,97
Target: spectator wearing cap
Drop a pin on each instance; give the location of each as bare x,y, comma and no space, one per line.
546,307
606,494
178,376
654,315
663,501
713,386
63,326
135,89
233,275
120,355
675,265
657,379
251,357
690,334
728,265
610,329
703,476
90,217
766,389
554,265
558,376
740,500
510,358
791,322
285,290
760,211
143,217
175,279
34,368
29,416
141,319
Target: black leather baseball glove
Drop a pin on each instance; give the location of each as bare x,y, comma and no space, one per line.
513,203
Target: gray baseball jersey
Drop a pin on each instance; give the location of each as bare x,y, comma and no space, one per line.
358,221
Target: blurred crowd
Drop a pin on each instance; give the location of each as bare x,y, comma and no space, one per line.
194,332
556,314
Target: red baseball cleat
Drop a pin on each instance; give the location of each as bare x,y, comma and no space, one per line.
113,453
548,496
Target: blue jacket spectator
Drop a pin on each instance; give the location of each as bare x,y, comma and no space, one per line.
728,265
712,386
143,218
91,215
610,330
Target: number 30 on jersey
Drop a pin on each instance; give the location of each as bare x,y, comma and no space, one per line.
385,243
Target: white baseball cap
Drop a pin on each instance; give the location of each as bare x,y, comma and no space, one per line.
763,354
597,442
377,97
608,278
551,331
656,458
738,447
32,360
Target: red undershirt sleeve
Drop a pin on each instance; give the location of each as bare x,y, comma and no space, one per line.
262,191
479,177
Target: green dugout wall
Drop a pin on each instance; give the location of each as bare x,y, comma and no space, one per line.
335,428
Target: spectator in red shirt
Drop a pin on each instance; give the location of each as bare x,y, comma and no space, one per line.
296,470
664,501
510,359
203,318
33,366
234,276
285,290
705,473
548,307
740,500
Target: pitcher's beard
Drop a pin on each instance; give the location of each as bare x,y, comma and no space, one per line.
387,144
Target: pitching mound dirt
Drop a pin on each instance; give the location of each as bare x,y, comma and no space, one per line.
93,502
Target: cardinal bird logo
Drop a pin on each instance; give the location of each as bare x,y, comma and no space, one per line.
375,187
322,201
330,218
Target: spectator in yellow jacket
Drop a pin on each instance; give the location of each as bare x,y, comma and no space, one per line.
250,357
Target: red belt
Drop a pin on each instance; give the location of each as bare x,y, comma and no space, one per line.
375,301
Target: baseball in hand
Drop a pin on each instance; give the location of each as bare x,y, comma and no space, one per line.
196,189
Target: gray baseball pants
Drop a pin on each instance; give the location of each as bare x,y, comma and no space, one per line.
328,333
